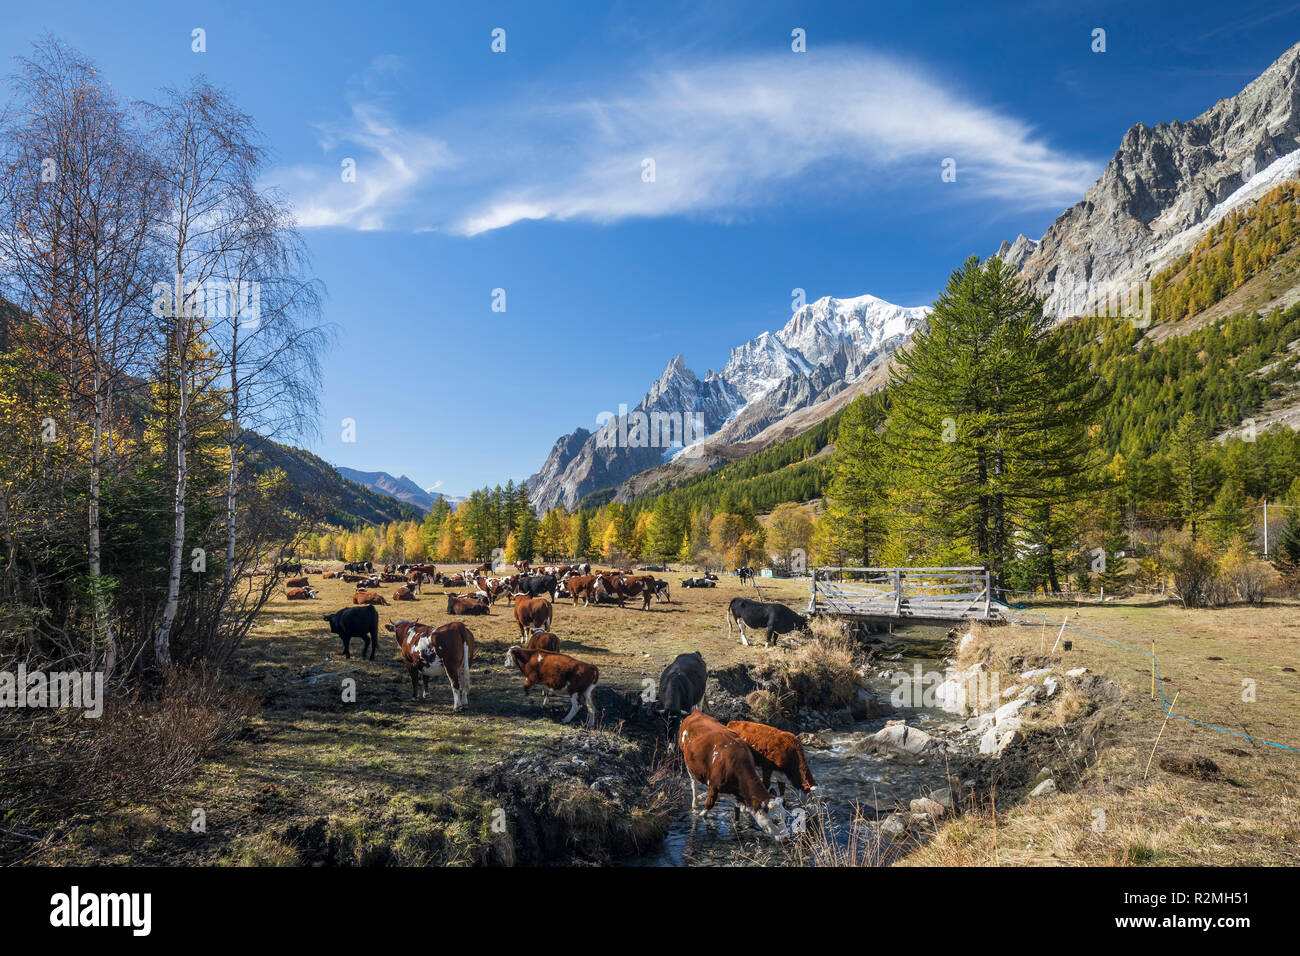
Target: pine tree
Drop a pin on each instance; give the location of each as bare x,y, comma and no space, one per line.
989,417
582,537
854,521
1188,450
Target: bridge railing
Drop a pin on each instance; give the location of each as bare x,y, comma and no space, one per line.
947,594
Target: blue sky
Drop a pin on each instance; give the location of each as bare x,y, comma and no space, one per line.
522,171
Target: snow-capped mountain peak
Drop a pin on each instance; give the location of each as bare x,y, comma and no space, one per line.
825,346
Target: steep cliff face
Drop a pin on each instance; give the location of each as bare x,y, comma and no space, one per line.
1163,188
825,347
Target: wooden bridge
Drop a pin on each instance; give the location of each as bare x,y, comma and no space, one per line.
920,594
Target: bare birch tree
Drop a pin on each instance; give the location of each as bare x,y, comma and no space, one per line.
209,159
75,208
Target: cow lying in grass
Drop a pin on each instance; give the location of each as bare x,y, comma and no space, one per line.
465,605
368,597
429,650
300,594
721,761
776,752
772,619
558,672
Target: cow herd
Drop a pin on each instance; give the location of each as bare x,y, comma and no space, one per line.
739,759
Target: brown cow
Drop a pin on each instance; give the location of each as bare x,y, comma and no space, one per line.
368,597
720,759
404,593
776,751
330,574
558,672
582,586
429,650
543,641
465,605
453,580
532,613
625,587
300,594
297,583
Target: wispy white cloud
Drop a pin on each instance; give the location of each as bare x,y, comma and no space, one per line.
727,137
391,162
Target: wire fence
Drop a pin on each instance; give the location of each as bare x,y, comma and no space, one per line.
1164,701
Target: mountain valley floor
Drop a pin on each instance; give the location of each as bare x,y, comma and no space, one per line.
315,779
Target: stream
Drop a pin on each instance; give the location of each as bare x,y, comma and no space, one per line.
852,784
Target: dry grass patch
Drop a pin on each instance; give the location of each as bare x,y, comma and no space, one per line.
821,674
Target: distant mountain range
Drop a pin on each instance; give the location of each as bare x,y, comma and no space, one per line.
825,348
403,488
324,492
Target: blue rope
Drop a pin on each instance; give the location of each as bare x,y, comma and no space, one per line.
1161,684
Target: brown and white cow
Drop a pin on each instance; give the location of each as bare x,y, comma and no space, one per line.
453,580
429,650
404,593
558,672
532,613
582,586
492,587
368,597
625,586
465,605
300,594
330,574
722,762
776,751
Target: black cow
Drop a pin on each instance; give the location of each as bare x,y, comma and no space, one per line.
357,567
746,574
774,619
362,622
681,687
661,590
536,585
698,583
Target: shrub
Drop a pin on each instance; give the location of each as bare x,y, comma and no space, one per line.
1249,579
1195,573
